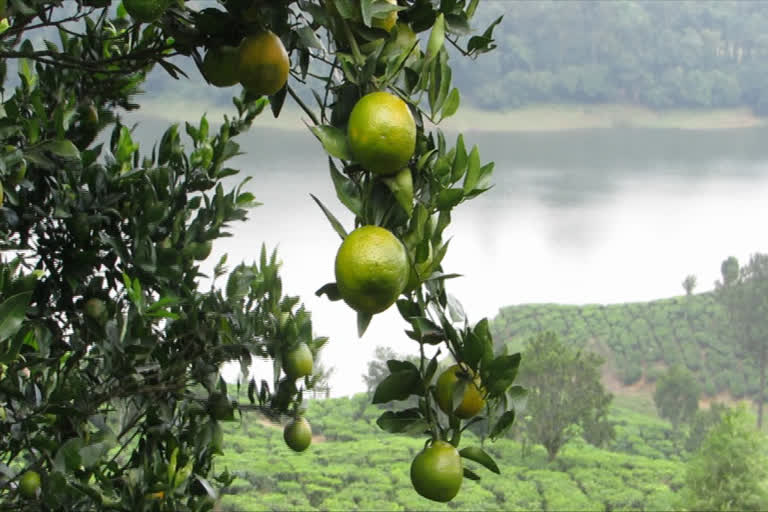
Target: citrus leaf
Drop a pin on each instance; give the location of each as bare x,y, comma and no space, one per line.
436,38
468,473
431,367
398,422
473,171
363,320
308,37
449,197
451,105
478,455
63,148
397,386
346,190
334,141
331,290
458,393
12,313
501,373
501,426
366,8
207,486
333,220
401,186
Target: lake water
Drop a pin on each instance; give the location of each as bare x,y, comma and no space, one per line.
601,216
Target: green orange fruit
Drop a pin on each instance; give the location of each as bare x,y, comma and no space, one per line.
298,434
29,484
263,63
145,11
371,269
298,362
221,66
472,401
382,133
95,309
437,473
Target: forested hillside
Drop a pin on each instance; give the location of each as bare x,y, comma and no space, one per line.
662,55
692,54
641,340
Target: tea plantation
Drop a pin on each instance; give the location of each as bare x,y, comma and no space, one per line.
352,465
641,340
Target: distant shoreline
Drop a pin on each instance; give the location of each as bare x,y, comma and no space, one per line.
559,118
540,118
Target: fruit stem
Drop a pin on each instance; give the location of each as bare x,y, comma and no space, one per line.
427,404
352,43
303,105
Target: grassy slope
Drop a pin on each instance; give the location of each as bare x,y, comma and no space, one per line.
639,340
358,467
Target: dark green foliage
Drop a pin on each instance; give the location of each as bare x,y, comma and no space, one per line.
702,423
731,467
744,293
677,396
565,390
657,54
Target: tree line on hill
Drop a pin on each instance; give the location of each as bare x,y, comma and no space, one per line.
691,54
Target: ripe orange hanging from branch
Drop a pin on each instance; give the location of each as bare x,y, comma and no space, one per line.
264,63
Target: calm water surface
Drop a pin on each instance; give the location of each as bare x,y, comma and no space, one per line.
599,216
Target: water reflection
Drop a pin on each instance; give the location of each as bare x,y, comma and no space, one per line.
591,217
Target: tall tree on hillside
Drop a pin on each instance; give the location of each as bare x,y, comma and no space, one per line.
744,293
564,390
677,396
689,283
730,469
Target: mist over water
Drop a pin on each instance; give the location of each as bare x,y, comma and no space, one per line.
599,216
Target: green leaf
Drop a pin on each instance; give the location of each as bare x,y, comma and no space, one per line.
309,39
449,198
436,38
346,190
501,373
478,455
363,320
457,24
125,146
334,141
366,9
333,220
401,186
398,422
501,426
68,456
62,148
468,473
397,386
451,104
12,313
473,171
426,331
331,290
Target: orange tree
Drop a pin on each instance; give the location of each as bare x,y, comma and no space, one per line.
111,390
